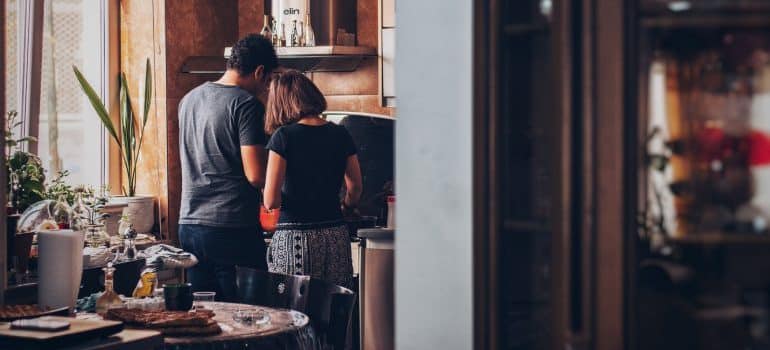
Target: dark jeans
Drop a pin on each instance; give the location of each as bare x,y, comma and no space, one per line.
218,251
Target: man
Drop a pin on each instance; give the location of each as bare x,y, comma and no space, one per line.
221,146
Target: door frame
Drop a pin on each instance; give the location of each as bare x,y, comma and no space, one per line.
595,215
487,37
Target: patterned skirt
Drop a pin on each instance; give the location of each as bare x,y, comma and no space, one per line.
319,251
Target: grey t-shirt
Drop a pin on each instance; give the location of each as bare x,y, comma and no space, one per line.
214,122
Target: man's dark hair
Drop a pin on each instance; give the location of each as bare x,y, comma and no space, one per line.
250,52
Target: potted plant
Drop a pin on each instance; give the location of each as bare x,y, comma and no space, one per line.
129,137
26,176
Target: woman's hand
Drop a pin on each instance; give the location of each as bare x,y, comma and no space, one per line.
349,212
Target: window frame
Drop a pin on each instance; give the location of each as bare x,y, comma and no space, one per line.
30,16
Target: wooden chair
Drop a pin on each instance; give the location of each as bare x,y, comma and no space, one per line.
277,290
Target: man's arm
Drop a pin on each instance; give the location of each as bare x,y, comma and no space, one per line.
254,163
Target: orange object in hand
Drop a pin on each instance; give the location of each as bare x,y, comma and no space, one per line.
268,218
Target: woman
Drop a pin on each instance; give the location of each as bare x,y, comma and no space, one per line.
309,159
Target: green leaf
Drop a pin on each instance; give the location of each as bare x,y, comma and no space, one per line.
147,93
127,125
96,102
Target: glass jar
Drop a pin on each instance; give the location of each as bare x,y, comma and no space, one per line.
124,224
96,236
62,213
79,213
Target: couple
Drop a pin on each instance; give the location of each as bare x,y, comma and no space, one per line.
224,146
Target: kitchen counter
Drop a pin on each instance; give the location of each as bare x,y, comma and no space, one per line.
376,233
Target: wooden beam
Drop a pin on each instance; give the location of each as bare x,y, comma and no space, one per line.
610,201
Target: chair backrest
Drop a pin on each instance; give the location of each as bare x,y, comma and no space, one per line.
257,287
330,308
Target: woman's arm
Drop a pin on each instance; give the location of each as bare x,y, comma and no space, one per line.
276,171
353,183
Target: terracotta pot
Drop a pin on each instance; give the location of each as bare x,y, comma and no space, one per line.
141,209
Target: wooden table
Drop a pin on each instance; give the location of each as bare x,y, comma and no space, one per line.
129,339
287,329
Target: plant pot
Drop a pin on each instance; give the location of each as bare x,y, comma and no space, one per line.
114,209
141,209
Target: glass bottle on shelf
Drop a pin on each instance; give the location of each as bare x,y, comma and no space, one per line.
301,28
109,299
308,33
282,36
266,31
62,213
275,39
294,35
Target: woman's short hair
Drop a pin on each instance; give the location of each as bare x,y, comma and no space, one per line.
292,97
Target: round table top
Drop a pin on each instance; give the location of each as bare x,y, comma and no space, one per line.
287,330
281,322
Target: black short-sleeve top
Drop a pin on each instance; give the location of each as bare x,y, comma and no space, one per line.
316,158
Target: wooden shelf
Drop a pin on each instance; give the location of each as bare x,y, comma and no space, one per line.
306,59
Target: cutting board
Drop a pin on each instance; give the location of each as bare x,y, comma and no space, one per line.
79,331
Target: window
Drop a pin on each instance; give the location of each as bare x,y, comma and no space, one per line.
69,32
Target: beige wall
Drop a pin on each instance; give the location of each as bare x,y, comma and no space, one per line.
140,40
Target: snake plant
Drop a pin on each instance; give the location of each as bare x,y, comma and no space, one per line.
130,135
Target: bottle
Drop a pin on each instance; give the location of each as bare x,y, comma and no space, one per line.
301,41
146,285
62,213
391,212
79,213
308,32
276,41
282,36
266,32
294,35
109,299
129,245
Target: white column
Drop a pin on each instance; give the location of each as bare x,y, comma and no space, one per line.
434,279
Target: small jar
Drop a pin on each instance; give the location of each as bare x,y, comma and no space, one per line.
96,236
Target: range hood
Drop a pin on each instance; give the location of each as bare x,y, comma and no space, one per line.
332,58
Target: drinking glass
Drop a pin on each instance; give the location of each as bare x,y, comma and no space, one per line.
201,297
